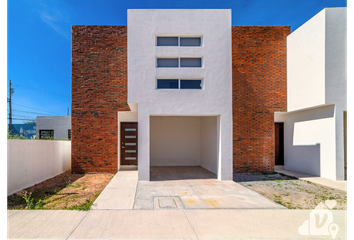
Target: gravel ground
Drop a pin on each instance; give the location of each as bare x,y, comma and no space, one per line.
291,192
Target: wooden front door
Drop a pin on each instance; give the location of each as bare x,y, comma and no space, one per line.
129,143
279,143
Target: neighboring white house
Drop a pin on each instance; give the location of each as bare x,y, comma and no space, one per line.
315,122
57,127
186,113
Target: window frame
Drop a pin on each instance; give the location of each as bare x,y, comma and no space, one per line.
69,134
156,62
179,36
42,130
179,61
165,37
179,83
201,40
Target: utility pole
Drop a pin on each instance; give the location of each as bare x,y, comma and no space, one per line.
11,91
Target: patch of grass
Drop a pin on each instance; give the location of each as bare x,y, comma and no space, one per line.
249,185
286,194
278,180
83,206
294,183
86,205
61,192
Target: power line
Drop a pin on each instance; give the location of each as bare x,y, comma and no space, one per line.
30,112
35,108
25,116
42,91
31,119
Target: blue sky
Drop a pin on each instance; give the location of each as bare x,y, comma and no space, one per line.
39,39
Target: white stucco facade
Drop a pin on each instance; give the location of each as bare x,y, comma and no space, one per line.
317,96
213,100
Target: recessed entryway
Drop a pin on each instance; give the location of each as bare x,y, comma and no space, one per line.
184,141
279,143
129,143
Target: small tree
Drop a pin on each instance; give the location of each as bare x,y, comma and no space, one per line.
30,122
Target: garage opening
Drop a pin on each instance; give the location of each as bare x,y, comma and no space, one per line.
183,147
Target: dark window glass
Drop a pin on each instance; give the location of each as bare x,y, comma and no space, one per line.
190,41
46,134
167,41
167,62
69,134
191,84
167,83
191,62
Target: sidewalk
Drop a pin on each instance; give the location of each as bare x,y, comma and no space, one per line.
112,216
164,224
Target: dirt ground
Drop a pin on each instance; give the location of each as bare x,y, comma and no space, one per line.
65,191
291,192
79,191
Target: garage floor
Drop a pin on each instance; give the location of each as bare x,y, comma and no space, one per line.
178,188
194,188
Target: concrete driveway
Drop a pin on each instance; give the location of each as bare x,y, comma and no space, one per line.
178,188
180,203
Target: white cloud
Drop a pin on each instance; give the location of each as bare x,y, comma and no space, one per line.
53,16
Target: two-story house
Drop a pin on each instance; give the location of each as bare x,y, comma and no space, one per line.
177,87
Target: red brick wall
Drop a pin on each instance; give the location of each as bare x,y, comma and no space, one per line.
259,89
99,90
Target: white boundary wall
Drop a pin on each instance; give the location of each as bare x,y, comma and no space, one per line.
32,161
310,141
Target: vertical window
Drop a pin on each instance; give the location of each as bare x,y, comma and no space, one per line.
69,134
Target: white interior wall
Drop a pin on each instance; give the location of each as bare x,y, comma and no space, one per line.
184,141
174,141
309,141
208,144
